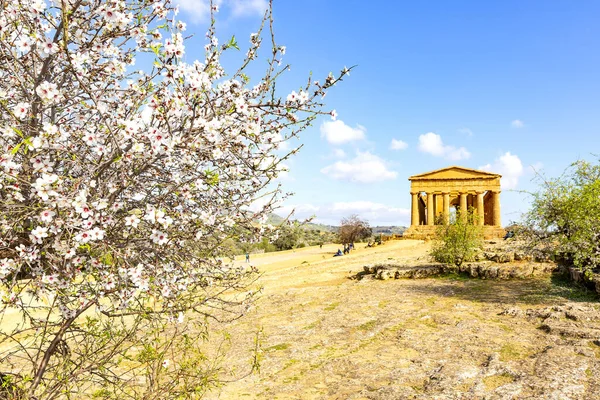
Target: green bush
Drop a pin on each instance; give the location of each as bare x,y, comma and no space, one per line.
459,241
565,215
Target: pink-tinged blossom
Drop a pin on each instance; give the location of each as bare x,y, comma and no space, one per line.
20,110
23,44
50,279
84,211
7,267
47,216
132,220
83,237
48,92
38,234
49,47
292,97
302,97
96,234
158,237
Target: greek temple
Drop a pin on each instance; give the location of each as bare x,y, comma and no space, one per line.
437,194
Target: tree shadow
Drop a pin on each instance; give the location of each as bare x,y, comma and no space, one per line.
548,290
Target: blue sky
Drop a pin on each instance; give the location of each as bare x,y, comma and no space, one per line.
507,86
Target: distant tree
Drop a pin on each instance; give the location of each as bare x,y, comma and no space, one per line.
565,215
288,237
353,229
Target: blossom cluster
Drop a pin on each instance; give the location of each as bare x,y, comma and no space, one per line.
116,182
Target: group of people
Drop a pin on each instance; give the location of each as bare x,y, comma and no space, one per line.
347,248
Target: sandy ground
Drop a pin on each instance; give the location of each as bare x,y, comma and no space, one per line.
325,336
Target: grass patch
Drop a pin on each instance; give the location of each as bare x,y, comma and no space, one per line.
427,320
596,348
291,379
332,306
572,290
367,326
280,346
313,325
511,351
556,288
383,303
289,363
495,381
430,301
453,276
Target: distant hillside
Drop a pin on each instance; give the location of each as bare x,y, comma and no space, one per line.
388,230
275,219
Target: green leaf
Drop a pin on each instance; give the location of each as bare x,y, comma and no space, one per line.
156,48
16,149
232,43
18,132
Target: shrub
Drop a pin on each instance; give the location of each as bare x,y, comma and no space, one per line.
458,241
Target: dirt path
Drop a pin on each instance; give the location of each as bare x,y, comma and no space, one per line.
325,336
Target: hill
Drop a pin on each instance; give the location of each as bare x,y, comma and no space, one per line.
275,219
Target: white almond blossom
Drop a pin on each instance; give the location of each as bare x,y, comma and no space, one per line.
125,167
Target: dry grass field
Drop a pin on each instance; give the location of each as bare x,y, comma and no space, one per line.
325,336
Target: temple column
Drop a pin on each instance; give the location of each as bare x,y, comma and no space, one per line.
446,197
414,208
496,203
430,215
480,209
463,205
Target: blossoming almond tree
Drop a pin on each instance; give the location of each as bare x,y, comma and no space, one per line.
118,185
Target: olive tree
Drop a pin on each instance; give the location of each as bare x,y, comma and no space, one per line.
565,215
123,170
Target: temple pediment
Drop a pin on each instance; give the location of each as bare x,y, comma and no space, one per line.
454,173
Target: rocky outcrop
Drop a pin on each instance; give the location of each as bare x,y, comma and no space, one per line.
482,270
567,321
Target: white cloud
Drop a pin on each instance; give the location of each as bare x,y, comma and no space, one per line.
364,168
339,153
517,123
242,8
509,166
432,143
332,213
466,131
200,9
398,144
337,132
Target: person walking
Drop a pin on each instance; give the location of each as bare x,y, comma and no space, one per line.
247,257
